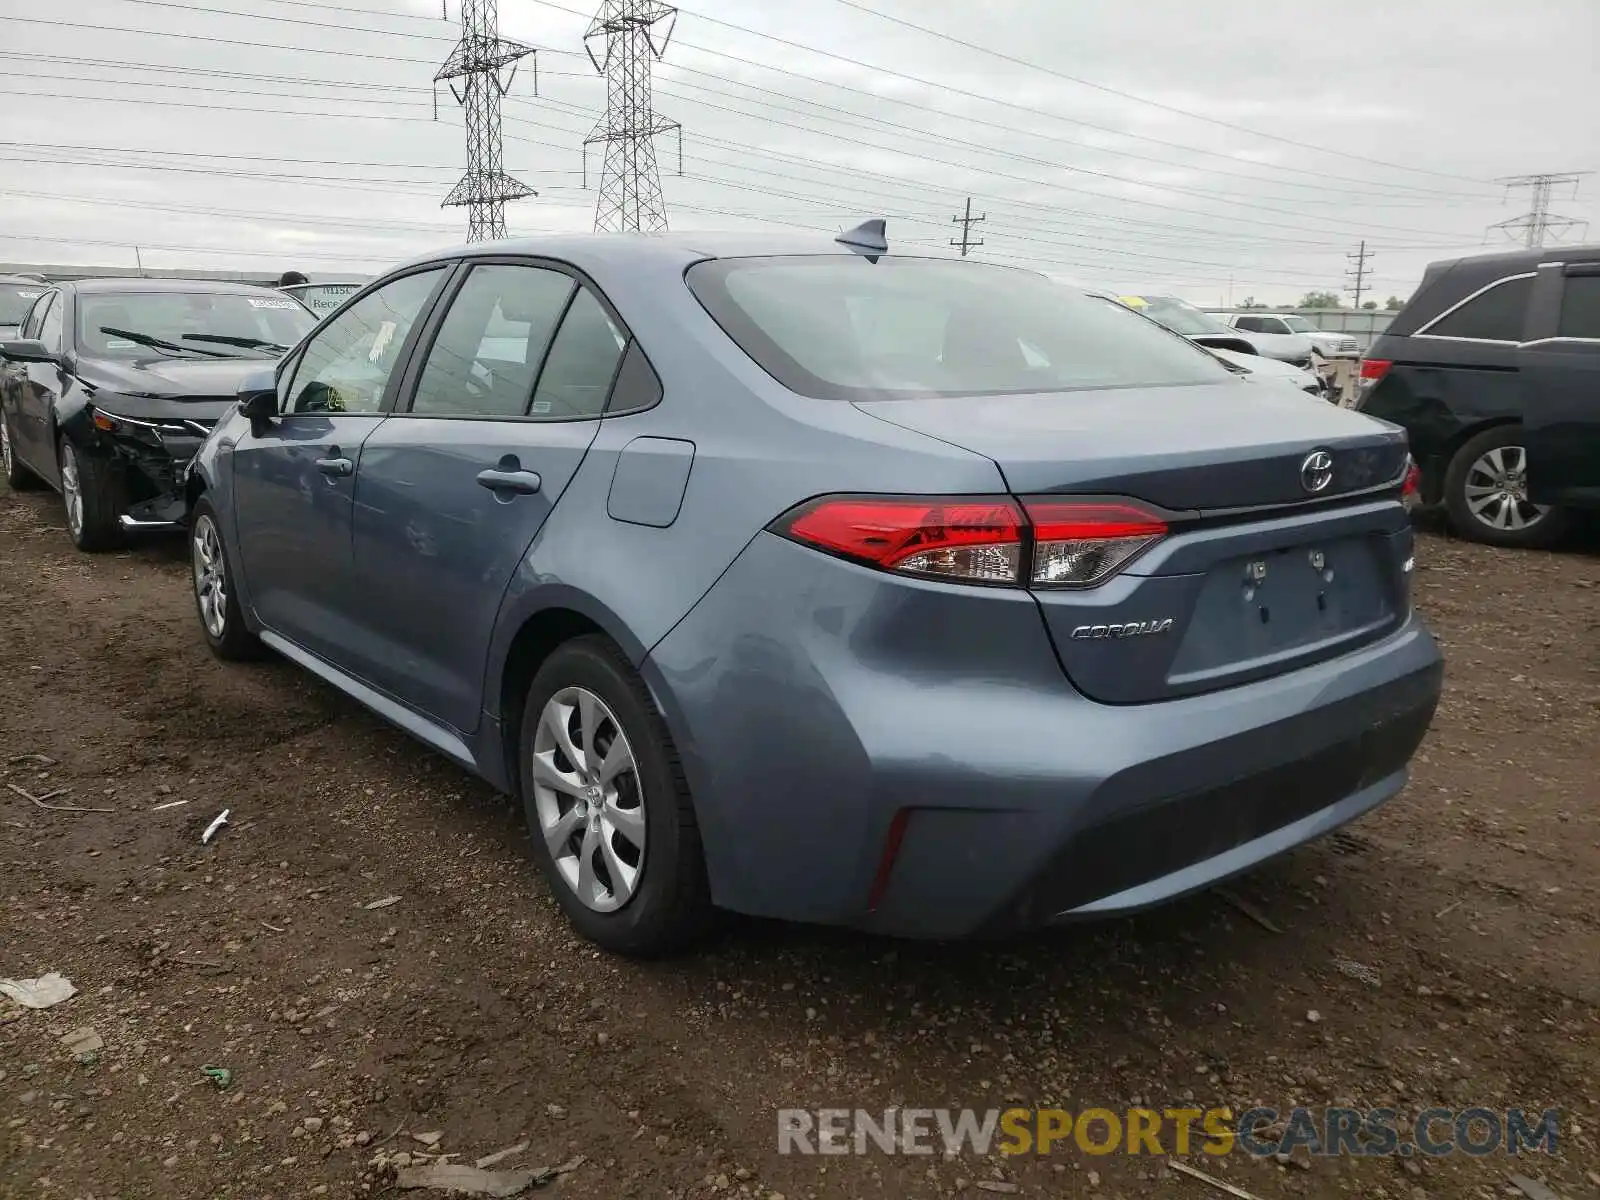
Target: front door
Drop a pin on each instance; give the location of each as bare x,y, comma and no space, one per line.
1560,379
294,477
453,489
39,386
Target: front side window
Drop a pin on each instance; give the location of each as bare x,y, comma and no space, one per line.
50,327
137,325
1248,324
15,301
1300,325
1495,315
1580,307
34,321
840,327
346,366
490,346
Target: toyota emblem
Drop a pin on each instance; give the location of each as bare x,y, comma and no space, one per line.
1316,473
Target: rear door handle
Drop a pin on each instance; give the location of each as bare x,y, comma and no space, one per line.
336,466
524,483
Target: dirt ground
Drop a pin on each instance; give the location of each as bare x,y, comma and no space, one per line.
466,1009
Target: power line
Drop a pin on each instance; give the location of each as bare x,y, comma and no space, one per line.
630,183
476,63
877,99
1538,222
967,221
1111,91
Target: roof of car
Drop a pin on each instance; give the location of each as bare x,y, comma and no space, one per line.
680,249
1511,261
123,287
22,279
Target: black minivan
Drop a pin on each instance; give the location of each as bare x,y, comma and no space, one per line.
1493,368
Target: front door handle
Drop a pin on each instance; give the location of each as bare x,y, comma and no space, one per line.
524,483
336,466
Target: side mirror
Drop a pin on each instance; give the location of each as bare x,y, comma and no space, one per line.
258,398
26,351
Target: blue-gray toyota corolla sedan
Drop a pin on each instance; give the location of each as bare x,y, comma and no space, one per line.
807,579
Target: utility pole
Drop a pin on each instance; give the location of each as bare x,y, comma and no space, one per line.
1358,273
473,73
1533,226
630,184
967,221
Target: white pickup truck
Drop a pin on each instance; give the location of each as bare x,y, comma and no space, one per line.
1285,335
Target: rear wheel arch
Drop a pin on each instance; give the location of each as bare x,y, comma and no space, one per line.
1439,463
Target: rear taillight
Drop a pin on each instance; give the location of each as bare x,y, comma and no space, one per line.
1080,545
1374,369
1047,541
1413,481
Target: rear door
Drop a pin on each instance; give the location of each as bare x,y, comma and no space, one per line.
294,477
1560,380
454,488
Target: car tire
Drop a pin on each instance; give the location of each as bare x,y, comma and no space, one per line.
1486,463
216,600
622,853
18,477
91,498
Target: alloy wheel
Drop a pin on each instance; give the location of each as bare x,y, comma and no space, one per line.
589,799
1496,490
210,577
71,489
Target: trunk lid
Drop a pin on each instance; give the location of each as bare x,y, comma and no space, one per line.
1258,575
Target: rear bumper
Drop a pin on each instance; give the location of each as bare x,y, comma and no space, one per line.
813,700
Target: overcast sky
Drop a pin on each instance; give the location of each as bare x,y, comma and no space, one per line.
1213,151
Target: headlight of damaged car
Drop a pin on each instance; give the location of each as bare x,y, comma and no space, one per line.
153,430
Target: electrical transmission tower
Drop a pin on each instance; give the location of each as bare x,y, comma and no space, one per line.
967,221
1358,273
1534,225
473,72
630,185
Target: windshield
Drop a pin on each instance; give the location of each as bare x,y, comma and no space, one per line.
1182,318
15,301
1300,325
179,324
841,327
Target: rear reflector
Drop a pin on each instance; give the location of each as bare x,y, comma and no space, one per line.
1047,541
1080,545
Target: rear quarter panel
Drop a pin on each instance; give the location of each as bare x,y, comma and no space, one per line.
1441,392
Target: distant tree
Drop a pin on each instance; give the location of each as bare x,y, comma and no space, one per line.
1320,300
1252,302
1369,305
1394,304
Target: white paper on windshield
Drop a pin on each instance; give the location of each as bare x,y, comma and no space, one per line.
271,303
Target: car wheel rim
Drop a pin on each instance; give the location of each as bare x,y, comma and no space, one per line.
210,577
71,490
1497,490
588,798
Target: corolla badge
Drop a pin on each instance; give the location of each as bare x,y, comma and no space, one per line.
1126,630
1316,472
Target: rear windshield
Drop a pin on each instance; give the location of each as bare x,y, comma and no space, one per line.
205,324
16,300
841,327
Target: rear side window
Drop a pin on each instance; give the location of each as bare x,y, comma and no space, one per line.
492,342
1580,307
840,327
1495,315
582,362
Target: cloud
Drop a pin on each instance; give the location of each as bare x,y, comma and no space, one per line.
292,134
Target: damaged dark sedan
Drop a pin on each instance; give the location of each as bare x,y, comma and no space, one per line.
111,385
